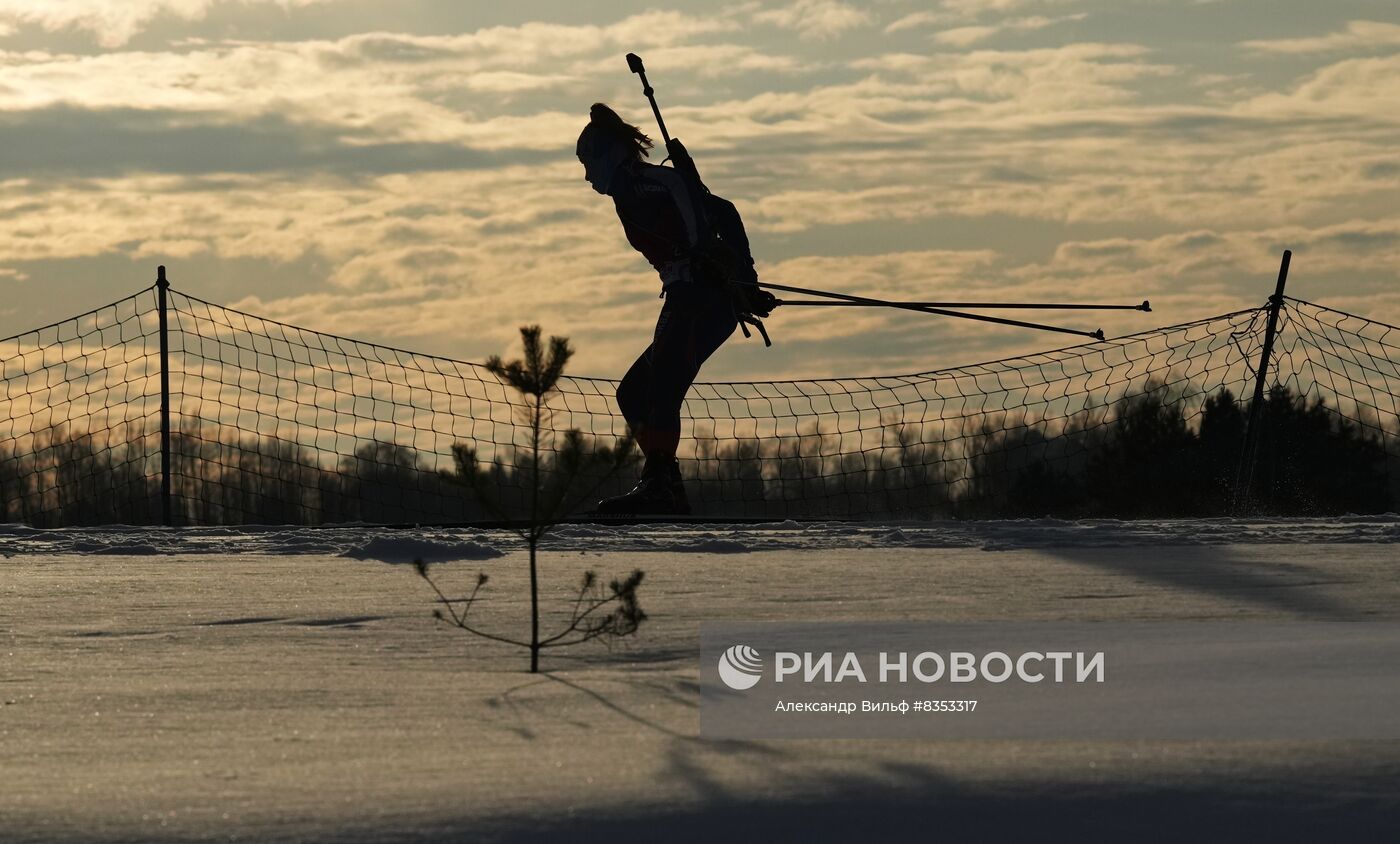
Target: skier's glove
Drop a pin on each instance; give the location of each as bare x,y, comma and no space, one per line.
749,298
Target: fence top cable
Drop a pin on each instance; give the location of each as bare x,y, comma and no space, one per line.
1085,348
76,317
1298,301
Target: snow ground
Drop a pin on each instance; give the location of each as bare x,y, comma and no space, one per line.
464,543
256,685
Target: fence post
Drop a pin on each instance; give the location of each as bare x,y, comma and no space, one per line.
161,286
1244,475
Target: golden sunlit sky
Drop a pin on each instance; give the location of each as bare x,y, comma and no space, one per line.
404,172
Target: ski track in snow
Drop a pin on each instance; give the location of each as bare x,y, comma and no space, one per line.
441,544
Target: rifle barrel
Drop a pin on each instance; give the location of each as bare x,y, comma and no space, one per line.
634,63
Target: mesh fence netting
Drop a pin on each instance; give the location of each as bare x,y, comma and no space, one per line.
275,424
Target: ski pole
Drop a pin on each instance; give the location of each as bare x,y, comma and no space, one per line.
1096,334
1145,306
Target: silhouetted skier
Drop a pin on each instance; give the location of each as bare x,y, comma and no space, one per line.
696,241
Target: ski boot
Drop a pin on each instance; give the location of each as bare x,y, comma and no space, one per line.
660,492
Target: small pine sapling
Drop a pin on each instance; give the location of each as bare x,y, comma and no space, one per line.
554,490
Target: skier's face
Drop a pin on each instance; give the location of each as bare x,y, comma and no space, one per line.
590,175
601,161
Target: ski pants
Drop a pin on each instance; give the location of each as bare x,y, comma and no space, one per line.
695,321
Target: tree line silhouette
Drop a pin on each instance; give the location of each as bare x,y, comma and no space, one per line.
1151,454
1148,460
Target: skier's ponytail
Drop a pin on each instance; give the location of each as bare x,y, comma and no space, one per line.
605,125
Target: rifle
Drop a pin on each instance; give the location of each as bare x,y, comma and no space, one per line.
684,164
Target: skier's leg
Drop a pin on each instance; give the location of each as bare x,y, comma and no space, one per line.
632,391
636,398
693,324
708,320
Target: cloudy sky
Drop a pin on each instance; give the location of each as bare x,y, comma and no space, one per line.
403,171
